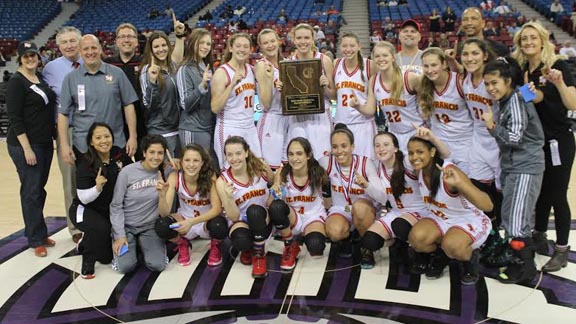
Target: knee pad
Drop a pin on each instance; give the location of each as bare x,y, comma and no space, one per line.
257,222
241,239
163,230
279,212
401,228
315,243
372,241
217,227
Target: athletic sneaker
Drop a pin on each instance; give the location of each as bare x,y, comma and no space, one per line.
87,268
259,267
246,257
183,252
438,261
469,269
215,254
366,259
289,256
345,248
419,262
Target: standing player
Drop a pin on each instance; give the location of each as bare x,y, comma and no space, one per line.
315,127
233,88
243,189
351,75
301,210
483,157
394,93
272,126
442,102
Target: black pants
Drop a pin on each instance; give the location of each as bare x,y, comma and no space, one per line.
97,241
555,189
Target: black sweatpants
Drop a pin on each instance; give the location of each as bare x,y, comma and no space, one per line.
97,241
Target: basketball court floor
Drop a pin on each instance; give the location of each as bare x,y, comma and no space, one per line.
327,290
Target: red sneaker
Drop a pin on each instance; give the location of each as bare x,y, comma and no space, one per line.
259,268
215,255
289,256
246,257
183,252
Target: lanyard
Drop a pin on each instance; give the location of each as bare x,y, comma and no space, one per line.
347,185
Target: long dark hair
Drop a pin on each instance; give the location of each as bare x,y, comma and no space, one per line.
207,172
191,53
435,173
91,155
255,166
147,58
397,180
316,174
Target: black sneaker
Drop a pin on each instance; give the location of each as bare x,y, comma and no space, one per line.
540,242
399,252
438,261
419,262
87,268
345,248
366,259
502,255
469,270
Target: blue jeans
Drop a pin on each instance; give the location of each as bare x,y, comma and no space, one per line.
32,193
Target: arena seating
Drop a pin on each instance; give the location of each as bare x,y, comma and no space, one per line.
22,19
420,11
103,16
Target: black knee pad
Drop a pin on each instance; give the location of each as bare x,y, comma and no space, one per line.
401,228
257,221
372,241
217,227
315,243
241,239
279,212
162,228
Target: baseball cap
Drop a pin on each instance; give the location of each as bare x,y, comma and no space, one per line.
410,22
27,47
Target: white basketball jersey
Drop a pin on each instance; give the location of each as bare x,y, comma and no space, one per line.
348,84
239,108
246,194
276,105
477,101
451,119
191,204
303,200
344,190
411,200
400,114
446,204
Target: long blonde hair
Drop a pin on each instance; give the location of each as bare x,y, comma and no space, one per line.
397,80
547,56
426,92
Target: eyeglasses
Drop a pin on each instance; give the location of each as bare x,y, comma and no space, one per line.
125,37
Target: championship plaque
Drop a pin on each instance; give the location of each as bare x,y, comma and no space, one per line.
301,90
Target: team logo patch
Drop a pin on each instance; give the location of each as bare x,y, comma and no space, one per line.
109,78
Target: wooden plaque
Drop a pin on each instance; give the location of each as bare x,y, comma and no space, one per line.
301,90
